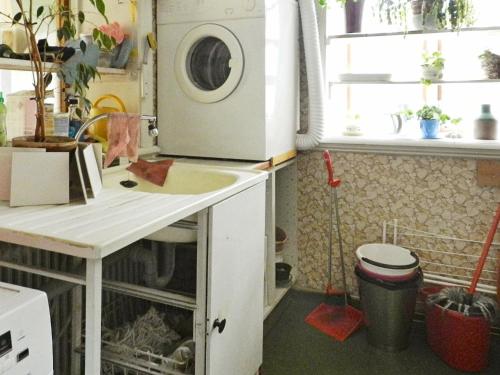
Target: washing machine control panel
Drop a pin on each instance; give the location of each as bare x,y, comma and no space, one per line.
177,11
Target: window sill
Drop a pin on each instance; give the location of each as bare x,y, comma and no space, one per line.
473,149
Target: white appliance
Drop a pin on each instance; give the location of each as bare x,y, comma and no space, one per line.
228,77
25,332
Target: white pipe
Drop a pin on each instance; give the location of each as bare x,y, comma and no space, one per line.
314,77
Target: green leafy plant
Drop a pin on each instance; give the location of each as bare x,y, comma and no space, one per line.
406,114
34,21
433,65
434,59
450,14
432,113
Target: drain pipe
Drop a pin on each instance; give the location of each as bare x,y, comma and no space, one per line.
315,82
156,274
149,258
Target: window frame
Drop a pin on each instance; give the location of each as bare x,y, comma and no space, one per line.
461,148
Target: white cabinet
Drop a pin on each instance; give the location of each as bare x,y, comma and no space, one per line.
236,284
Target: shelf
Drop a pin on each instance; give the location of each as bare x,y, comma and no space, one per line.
411,32
25,66
280,293
444,82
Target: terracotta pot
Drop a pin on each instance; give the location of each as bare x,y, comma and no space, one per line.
51,143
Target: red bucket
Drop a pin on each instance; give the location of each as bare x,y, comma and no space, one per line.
462,342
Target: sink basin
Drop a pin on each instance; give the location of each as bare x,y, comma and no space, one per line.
183,179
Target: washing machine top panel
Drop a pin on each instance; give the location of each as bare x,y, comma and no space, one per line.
177,11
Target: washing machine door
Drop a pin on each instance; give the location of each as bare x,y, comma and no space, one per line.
209,63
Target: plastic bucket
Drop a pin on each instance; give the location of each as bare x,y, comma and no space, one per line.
387,260
460,341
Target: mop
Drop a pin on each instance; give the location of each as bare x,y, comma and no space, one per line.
467,301
338,322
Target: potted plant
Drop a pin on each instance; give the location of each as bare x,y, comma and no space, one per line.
432,68
490,63
353,13
34,21
431,118
442,14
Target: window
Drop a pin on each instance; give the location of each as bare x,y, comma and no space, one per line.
386,64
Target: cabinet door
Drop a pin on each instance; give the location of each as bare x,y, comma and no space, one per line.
236,284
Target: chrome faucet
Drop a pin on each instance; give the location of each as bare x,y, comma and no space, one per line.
152,126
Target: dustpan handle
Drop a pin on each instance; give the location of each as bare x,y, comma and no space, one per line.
486,249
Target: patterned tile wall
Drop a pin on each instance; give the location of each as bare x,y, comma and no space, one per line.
426,193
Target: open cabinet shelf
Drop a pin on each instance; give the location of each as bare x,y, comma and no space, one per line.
25,66
281,212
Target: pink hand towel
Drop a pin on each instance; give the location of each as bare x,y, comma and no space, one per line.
123,137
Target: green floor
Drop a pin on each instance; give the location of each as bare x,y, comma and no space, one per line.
291,347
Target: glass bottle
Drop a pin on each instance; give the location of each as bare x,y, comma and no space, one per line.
485,127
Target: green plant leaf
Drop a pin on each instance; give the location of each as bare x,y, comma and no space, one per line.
101,7
83,46
39,11
17,18
81,17
106,41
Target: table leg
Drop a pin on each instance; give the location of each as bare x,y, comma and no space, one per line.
93,309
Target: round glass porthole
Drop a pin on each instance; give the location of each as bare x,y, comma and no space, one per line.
209,63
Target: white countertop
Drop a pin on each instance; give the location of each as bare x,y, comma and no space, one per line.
113,220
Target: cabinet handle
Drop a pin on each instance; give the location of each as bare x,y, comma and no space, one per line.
221,325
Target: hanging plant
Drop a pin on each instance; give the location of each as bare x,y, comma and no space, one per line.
392,12
450,14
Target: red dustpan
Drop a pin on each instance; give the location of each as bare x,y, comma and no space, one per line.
338,322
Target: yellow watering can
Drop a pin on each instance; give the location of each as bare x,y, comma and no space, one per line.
99,130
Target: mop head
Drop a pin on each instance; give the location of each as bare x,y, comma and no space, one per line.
458,299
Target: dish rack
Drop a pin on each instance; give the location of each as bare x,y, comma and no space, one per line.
120,359
445,260
137,362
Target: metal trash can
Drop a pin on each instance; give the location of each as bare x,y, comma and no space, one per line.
388,309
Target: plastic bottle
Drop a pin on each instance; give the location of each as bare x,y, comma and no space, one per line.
74,121
61,124
3,122
49,119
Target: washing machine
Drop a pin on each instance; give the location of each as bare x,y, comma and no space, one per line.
25,332
228,78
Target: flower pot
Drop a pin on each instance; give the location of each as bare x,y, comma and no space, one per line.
51,143
429,128
432,74
353,15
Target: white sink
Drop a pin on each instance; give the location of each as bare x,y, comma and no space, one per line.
185,179
182,179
